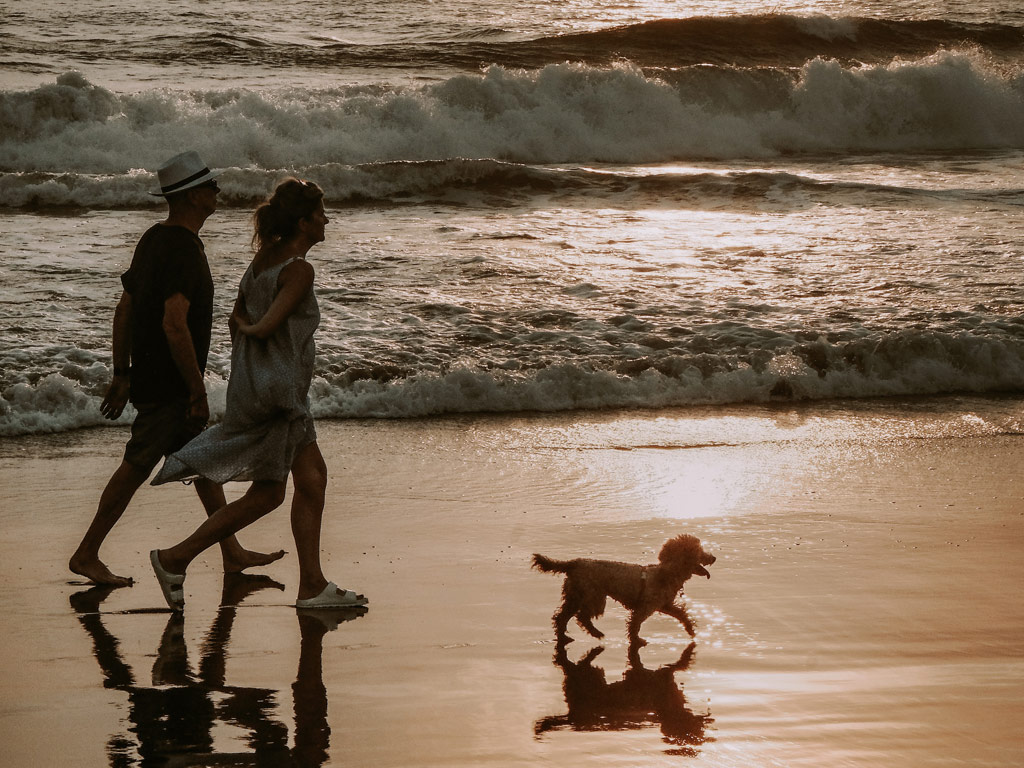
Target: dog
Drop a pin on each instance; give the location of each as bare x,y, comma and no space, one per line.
642,589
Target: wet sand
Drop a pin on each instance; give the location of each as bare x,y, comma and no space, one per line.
864,610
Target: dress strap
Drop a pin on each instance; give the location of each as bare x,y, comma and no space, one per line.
276,269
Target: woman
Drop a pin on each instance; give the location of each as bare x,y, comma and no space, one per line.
267,430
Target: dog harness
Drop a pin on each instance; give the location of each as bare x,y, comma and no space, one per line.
643,582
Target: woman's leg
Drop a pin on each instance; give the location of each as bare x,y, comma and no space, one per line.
261,498
236,557
309,474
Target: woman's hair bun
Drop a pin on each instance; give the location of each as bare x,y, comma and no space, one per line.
277,219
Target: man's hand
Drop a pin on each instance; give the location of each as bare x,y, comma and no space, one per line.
116,398
198,413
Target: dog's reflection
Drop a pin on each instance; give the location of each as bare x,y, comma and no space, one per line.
643,698
173,720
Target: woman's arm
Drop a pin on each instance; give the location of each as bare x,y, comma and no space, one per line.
293,284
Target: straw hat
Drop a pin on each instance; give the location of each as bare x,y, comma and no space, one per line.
183,172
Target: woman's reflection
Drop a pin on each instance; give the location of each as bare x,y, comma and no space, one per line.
176,715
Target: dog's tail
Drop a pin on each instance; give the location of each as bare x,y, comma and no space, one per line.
547,565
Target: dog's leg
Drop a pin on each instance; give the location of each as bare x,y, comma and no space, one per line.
636,618
561,620
586,622
592,606
570,605
679,613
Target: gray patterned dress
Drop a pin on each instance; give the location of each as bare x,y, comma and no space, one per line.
267,419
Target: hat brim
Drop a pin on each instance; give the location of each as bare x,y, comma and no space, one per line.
194,183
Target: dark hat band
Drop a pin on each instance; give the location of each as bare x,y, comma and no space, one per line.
179,184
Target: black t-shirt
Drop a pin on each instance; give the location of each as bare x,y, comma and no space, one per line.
167,260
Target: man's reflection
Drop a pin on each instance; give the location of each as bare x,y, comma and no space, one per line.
174,719
643,698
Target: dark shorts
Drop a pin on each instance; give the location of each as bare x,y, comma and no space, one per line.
158,430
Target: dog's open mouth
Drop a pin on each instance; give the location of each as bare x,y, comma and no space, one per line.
702,571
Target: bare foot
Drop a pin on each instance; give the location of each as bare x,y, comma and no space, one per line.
96,572
247,558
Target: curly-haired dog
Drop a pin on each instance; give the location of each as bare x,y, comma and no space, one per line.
642,589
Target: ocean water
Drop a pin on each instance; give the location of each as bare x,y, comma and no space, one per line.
537,207
786,235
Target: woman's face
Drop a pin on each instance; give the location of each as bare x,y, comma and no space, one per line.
314,224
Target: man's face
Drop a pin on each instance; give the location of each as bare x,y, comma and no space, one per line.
205,196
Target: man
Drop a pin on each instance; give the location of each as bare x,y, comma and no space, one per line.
161,338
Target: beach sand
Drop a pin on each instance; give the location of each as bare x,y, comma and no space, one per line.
864,611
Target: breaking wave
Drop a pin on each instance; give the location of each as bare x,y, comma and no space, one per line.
75,143
759,369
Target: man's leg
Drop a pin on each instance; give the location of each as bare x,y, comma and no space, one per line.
114,500
236,557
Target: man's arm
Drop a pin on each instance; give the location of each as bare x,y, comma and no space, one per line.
179,339
117,393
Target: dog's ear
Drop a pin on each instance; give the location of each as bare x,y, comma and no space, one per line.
681,546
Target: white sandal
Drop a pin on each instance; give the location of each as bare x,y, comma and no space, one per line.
171,584
330,598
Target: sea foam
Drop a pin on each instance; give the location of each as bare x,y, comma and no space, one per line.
74,143
905,363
